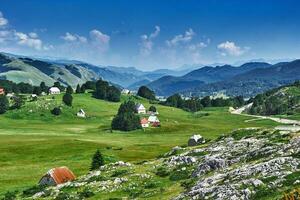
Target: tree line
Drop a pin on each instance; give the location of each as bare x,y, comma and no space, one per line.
195,104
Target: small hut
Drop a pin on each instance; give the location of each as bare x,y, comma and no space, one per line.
57,176
196,140
81,113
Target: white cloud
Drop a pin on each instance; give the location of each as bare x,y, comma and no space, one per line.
3,21
182,38
98,37
29,41
147,43
33,35
230,48
73,37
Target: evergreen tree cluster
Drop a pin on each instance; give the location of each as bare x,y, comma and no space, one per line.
126,119
67,98
195,104
145,92
106,92
276,102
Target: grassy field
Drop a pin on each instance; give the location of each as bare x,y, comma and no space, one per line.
32,140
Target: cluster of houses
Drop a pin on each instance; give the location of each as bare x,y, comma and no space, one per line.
152,120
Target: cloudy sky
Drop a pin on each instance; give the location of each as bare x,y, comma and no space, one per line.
152,34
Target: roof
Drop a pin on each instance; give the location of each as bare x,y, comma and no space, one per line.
81,111
144,121
153,118
54,89
196,137
140,106
61,175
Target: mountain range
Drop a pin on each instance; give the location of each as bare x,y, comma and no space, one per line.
247,79
71,72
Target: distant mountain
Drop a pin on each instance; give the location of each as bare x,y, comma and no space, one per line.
199,77
254,81
33,71
70,72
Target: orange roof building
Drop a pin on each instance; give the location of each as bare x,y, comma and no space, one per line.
57,176
144,123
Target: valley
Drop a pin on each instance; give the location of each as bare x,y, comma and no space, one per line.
34,141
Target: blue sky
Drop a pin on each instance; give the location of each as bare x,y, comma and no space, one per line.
152,34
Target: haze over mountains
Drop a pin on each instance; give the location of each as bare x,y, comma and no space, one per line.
247,80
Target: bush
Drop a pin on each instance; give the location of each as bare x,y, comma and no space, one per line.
86,193
179,175
33,190
68,99
118,173
9,196
162,172
4,104
56,111
62,196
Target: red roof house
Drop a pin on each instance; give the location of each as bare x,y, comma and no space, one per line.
144,123
57,176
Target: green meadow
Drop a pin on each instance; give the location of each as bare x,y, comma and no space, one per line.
32,140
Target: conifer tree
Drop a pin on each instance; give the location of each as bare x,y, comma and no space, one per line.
97,161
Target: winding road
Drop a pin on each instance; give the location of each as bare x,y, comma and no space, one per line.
239,111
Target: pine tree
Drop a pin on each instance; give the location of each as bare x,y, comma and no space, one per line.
97,161
78,89
69,90
82,89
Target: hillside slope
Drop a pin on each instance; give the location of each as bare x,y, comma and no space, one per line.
282,100
222,169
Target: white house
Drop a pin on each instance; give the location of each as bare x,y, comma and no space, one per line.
125,91
81,113
54,90
140,108
153,119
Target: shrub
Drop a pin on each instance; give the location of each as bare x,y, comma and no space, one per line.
33,190
62,196
56,111
9,196
68,99
179,175
119,173
86,193
4,105
162,172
